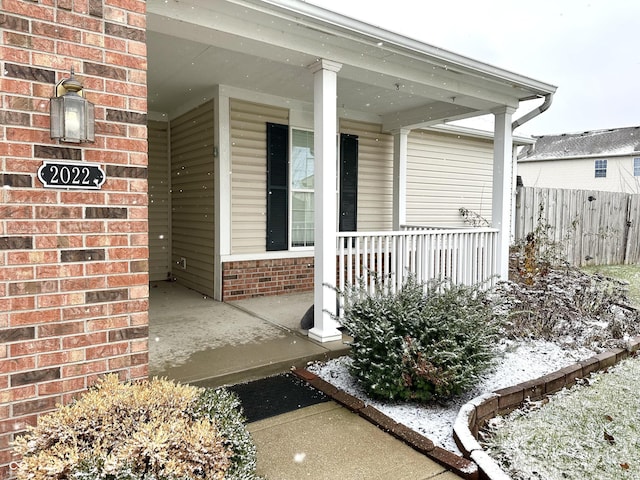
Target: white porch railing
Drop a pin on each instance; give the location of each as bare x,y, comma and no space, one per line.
463,256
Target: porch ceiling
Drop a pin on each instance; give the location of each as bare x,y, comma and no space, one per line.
266,46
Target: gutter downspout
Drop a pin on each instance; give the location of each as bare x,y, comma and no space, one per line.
548,98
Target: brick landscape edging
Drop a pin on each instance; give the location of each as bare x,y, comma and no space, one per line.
476,464
474,415
461,466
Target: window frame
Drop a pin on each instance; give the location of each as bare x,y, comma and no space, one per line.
636,167
279,156
600,168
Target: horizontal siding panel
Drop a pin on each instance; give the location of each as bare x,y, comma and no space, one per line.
193,194
159,201
446,172
248,111
194,140
192,186
249,169
189,248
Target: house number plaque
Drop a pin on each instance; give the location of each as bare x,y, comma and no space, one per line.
77,175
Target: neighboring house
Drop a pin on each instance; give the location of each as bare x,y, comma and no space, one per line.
607,160
239,139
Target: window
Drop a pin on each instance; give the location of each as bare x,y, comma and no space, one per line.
290,186
302,183
636,167
601,168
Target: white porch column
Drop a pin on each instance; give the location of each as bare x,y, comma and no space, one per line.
502,182
326,220
400,141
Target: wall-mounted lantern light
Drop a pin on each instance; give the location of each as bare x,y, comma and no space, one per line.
72,116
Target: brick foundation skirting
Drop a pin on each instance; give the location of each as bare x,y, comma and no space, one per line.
257,278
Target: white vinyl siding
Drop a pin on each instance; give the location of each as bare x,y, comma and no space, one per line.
375,175
248,178
446,172
159,201
192,198
578,174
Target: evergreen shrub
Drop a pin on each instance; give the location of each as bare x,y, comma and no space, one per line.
426,342
150,430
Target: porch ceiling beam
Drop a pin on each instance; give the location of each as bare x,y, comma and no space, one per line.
429,84
427,115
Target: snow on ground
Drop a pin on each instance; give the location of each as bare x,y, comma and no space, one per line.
594,434
517,363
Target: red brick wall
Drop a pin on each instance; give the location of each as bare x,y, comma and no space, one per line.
256,278
73,264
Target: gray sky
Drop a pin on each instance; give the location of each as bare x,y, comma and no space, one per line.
589,49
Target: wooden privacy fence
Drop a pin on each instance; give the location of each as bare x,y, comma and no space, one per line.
593,227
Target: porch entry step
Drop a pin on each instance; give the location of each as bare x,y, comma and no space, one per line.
275,395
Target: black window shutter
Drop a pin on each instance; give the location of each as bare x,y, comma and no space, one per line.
348,183
277,187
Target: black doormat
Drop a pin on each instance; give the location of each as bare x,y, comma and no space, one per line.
275,395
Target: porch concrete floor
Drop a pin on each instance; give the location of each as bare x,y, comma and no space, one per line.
194,339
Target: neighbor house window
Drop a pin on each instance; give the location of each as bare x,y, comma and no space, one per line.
636,167
302,183
290,186
601,168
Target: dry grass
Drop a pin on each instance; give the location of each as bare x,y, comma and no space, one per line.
625,273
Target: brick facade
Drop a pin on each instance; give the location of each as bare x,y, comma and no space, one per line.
73,263
257,278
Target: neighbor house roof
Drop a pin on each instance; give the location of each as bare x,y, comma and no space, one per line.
596,143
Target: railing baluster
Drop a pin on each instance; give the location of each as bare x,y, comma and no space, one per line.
387,273
365,262
433,249
341,268
357,261
464,256
392,262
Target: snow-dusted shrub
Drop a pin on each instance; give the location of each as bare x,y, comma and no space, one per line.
155,430
550,300
569,306
224,406
538,252
427,342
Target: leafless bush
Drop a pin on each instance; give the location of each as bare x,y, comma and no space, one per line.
560,303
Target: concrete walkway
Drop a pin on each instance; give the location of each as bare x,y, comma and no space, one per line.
196,340
328,442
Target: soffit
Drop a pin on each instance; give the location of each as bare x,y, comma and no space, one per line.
195,45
